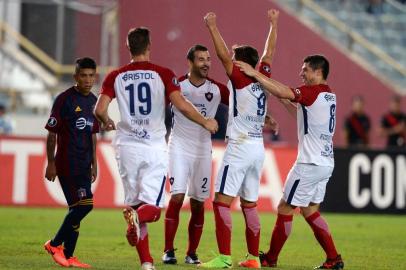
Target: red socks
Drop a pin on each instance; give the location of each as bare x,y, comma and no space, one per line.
322,233
280,234
252,229
143,245
195,229
171,223
148,213
222,218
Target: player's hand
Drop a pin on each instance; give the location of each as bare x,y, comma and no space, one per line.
50,173
273,125
109,125
211,125
94,172
246,68
210,19
273,15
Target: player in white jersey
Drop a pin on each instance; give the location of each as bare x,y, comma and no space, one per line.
190,150
142,90
240,172
314,105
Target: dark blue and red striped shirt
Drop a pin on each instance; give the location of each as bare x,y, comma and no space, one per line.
73,121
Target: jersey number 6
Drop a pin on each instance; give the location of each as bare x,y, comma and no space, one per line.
143,96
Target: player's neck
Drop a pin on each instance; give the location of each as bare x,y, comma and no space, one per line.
81,91
196,80
140,58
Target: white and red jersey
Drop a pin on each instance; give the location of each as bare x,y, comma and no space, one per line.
316,123
142,90
247,106
187,136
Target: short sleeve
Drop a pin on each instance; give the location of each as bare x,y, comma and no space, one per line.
265,69
96,126
239,79
170,81
54,122
108,84
224,93
306,95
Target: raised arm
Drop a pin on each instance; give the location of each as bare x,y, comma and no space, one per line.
219,44
271,86
270,43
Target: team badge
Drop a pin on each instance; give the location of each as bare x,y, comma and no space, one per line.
81,193
209,96
297,92
52,122
267,69
175,81
171,180
78,109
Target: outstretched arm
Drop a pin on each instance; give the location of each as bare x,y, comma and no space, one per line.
221,47
271,86
270,43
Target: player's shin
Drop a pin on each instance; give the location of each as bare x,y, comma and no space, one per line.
252,229
322,234
280,234
195,228
223,222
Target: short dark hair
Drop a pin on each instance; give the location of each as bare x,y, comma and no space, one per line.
85,62
138,40
396,98
318,61
191,53
246,54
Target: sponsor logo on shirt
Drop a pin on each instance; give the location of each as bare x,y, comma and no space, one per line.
81,123
52,122
78,109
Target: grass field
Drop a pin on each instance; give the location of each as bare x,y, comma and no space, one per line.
365,241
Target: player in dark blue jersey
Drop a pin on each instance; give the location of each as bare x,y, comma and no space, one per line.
72,128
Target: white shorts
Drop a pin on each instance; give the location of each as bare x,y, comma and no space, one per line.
190,173
306,183
240,171
143,172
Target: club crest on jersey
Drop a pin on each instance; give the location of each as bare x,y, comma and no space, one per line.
52,122
175,81
267,69
297,92
209,96
171,180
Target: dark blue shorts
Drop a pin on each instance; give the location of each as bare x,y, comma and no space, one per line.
76,188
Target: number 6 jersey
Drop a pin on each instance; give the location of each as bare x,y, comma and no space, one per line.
315,124
142,90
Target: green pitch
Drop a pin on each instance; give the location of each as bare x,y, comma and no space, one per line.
365,241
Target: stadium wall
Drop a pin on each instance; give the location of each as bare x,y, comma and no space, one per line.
177,25
362,182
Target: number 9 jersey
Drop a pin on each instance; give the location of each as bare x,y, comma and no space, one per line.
142,90
315,124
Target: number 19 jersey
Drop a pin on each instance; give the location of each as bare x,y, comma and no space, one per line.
142,90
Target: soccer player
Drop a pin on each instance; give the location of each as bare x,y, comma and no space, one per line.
190,153
240,172
314,105
72,128
142,90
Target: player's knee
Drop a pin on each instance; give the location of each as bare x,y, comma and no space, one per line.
178,198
